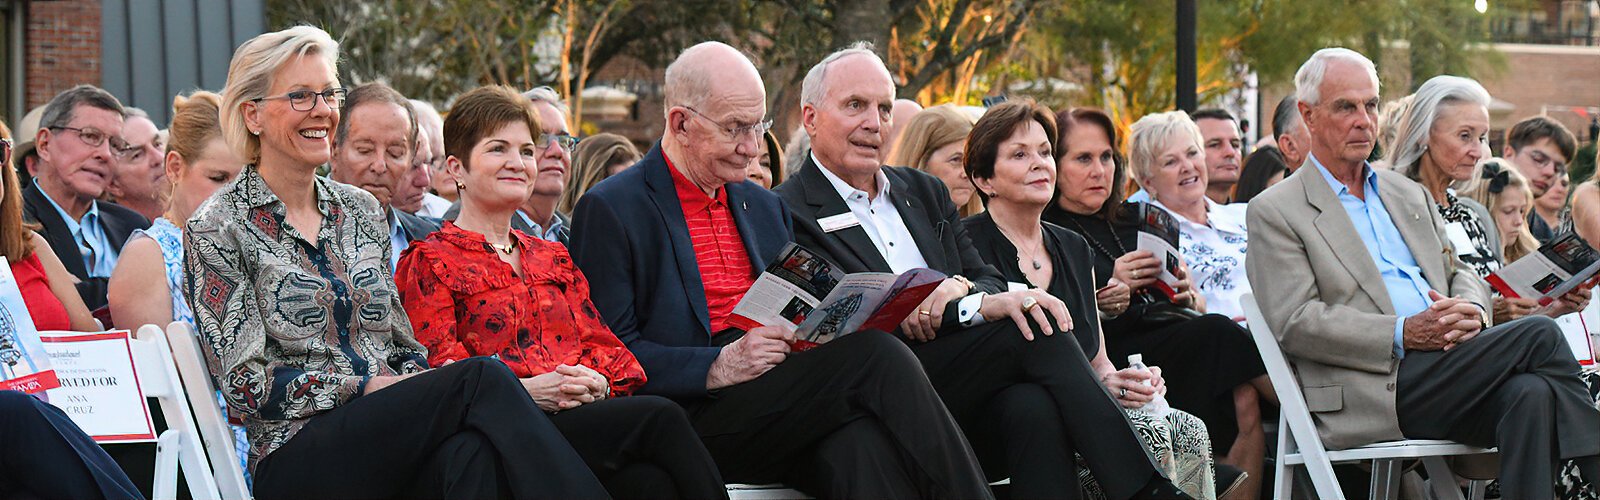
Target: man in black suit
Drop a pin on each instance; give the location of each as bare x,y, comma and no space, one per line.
1027,398
372,148
79,134
672,243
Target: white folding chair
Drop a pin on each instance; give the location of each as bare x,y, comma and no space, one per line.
1299,443
215,434
179,445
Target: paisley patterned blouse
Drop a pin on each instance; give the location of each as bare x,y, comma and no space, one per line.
464,301
293,327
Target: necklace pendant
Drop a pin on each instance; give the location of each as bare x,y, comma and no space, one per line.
1037,266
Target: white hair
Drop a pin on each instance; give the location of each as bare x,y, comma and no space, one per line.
1148,137
549,96
1308,80
1415,124
250,76
812,90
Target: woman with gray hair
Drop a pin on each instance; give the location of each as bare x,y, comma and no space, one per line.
288,276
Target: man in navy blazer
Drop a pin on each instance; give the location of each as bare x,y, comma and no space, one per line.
853,418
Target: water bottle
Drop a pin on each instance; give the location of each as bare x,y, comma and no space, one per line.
1157,406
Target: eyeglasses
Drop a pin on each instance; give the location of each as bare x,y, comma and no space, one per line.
136,153
94,138
305,100
737,131
566,141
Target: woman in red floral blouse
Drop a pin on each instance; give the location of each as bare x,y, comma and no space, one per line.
477,288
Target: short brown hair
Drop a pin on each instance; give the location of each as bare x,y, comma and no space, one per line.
1530,130
482,111
997,125
370,93
1078,117
16,236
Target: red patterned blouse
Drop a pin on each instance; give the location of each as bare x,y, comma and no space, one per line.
464,301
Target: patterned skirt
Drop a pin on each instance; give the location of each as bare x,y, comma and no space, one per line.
1569,484
1181,448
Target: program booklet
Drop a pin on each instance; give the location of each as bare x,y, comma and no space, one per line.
1559,266
24,364
1158,234
805,293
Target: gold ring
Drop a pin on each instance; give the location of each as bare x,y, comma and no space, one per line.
1029,303
924,313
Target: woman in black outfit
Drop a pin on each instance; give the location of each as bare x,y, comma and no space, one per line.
1211,363
1009,159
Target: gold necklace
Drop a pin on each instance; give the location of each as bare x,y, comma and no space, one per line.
506,248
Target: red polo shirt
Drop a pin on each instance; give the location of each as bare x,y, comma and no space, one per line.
724,264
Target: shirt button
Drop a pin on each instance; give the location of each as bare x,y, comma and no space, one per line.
1390,386
891,243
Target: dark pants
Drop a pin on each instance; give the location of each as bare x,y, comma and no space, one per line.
642,447
46,455
1515,386
466,430
853,418
974,367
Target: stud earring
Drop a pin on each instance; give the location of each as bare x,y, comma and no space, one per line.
460,186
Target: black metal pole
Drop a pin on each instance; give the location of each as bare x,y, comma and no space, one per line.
1187,80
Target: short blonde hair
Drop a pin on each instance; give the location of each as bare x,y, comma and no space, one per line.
250,76
1148,137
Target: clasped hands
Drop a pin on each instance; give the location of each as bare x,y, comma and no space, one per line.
923,323
1447,322
1128,386
567,387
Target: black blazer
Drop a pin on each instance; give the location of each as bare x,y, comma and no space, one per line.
119,223
925,206
1072,271
631,242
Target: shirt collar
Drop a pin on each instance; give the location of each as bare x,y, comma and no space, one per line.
88,217
690,195
1369,176
257,193
1220,217
845,190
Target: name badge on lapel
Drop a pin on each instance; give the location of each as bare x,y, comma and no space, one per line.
837,222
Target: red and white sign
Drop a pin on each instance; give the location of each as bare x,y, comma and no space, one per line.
100,389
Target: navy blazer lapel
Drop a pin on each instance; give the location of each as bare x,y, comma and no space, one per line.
825,202
665,195
740,208
919,222
54,230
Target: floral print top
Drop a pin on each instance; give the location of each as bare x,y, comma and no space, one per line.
294,326
464,301
1215,254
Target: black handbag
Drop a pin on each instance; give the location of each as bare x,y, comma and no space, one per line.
1157,312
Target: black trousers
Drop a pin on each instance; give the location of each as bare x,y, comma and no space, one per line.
465,430
1515,386
45,455
978,370
642,447
853,418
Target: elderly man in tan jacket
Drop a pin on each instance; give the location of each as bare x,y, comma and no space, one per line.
1383,324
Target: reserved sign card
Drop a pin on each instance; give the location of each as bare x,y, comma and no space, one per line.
99,388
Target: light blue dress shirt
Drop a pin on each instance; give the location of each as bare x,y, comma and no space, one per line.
1408,291
397,240
550,234
98,256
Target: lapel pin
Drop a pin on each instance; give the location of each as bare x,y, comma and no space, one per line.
744,205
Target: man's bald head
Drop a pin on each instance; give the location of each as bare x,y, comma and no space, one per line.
900,115
707,69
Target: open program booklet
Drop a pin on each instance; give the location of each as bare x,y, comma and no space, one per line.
1158,234
24,364
805,293
1559,266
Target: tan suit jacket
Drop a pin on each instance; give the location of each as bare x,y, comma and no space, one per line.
1319,289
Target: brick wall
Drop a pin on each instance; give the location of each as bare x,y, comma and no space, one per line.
63,47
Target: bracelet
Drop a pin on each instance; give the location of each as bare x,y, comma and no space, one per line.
964,281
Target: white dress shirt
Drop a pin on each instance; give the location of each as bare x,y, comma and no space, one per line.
881,221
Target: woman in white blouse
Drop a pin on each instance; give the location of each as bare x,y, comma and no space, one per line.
1167,154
